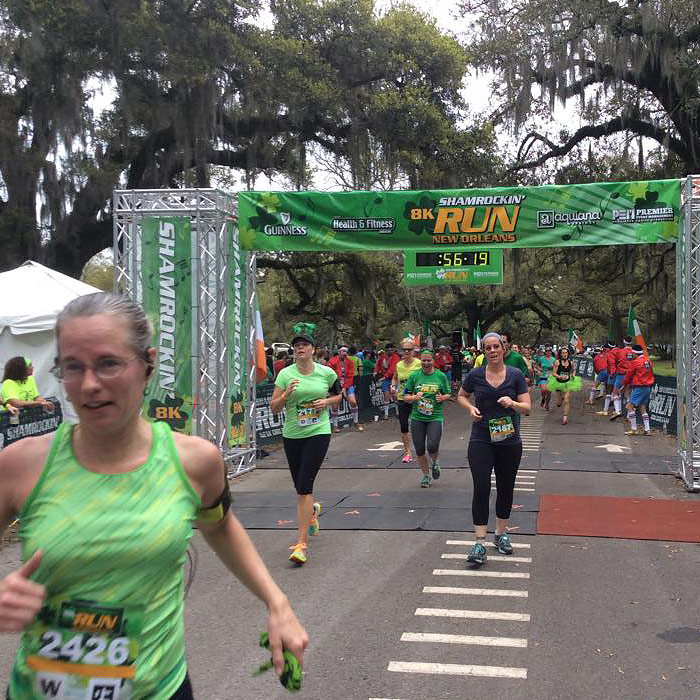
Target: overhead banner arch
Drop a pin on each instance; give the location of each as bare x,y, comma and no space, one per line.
546,216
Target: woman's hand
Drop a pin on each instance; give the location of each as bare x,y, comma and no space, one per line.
475,413
285,632
506,402
21,598
320,404
291,388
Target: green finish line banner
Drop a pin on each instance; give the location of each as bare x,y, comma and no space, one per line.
442,267
612,213
167,301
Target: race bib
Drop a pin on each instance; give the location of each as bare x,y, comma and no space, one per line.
84,651
501,429
425,407
307,414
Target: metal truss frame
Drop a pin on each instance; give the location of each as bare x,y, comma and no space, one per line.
688,336
210,212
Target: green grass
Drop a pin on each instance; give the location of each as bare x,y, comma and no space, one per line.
664,368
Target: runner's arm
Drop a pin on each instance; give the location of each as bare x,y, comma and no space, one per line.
229,540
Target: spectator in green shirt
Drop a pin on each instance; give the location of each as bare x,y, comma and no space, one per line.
515,359
19,387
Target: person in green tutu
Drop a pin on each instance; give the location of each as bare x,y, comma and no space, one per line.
563,380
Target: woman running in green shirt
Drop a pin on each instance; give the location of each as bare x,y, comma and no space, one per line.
106,509
427,389
303,390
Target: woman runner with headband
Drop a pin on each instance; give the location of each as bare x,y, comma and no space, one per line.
500,396
427,389
106,509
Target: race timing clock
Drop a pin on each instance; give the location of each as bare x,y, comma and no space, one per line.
467,258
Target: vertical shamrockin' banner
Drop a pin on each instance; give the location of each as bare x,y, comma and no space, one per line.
237,338
167,301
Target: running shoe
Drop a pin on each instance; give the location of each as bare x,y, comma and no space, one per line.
314,527
298,555
425,481
477,554
647,433
406,459
503,544
615,415
336,429
564,420
359,426
589,403
631,432
601,413
435,471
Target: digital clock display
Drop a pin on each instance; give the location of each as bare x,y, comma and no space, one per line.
467,258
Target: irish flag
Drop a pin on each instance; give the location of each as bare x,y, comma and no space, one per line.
635,331
477,335
575,341
260,359
415,339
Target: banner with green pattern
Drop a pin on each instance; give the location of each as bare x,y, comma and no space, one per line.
167,300
611,213
237,321
440,267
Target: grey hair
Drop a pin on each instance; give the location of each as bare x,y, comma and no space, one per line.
140,328
498,335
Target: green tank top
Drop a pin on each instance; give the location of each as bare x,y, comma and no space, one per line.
114,548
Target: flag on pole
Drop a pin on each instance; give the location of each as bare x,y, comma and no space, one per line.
415,339
477,335
635,331
463,338
611,335
260,359
575,341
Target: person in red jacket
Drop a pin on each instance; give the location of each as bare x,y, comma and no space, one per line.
443,360
345,369
600,365
623,358
383,373
640,376
611,359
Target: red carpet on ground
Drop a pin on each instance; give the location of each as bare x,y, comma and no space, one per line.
623,518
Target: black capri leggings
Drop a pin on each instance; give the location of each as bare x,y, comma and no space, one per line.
423,431
404,414
504,460
304,456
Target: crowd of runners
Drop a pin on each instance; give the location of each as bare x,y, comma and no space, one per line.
84,561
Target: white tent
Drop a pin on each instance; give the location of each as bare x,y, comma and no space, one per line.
30,298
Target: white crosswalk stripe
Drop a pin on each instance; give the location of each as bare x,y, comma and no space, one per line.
457,669
495,592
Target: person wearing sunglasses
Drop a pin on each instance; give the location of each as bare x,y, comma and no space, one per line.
106,509
405,367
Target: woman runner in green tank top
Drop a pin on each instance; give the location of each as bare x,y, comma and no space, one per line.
106,511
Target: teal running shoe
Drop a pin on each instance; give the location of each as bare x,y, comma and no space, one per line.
503,544
435,469
477,554
314,527
425,481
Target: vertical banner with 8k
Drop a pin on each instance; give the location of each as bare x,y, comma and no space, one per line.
166,253
237,337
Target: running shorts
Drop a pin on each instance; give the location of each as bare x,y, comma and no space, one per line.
386,385
618,380
350,391
602,376
404,413
542,382
640,395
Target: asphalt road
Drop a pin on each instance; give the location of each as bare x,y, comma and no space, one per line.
390,616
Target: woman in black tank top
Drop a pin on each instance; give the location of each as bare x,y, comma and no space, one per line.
563,372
